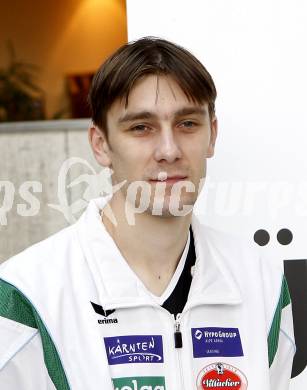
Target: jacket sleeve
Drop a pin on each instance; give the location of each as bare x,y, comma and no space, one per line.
281,344
21,358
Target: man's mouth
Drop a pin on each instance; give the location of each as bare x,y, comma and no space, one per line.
163,177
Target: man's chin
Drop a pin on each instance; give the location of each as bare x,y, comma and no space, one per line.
171,208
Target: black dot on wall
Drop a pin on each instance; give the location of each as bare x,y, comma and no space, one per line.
284,236
261,237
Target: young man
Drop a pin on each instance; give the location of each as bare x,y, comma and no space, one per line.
138,294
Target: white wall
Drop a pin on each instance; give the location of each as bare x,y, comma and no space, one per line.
256,53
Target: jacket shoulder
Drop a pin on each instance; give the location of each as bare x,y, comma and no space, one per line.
232,247
44,259
245,263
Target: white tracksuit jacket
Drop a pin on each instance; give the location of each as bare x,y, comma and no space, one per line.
73,315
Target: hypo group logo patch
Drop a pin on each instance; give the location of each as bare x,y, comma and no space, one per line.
221,376
140,383
209,342
134,349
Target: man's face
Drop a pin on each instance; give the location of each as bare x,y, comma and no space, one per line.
162,139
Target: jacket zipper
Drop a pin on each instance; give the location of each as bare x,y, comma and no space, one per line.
178,334
178,347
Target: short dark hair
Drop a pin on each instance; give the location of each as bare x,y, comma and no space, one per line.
149,55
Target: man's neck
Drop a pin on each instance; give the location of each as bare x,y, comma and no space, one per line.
152,246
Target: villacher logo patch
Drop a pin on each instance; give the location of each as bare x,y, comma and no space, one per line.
221,376
105,313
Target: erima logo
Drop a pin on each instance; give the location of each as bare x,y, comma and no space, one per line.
105,313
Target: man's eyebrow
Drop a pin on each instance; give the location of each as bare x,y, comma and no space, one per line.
190,111
132,116
140,115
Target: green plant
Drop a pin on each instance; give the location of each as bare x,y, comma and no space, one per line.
20,97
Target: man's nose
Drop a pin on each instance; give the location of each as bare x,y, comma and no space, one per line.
167,148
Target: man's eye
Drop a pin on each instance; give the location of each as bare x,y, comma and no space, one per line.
188,124
140,128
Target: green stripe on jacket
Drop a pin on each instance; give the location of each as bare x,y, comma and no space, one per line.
15,306
273,338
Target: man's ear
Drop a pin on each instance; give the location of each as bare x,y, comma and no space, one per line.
99,144
213,135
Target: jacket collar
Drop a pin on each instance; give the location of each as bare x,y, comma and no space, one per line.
118,286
